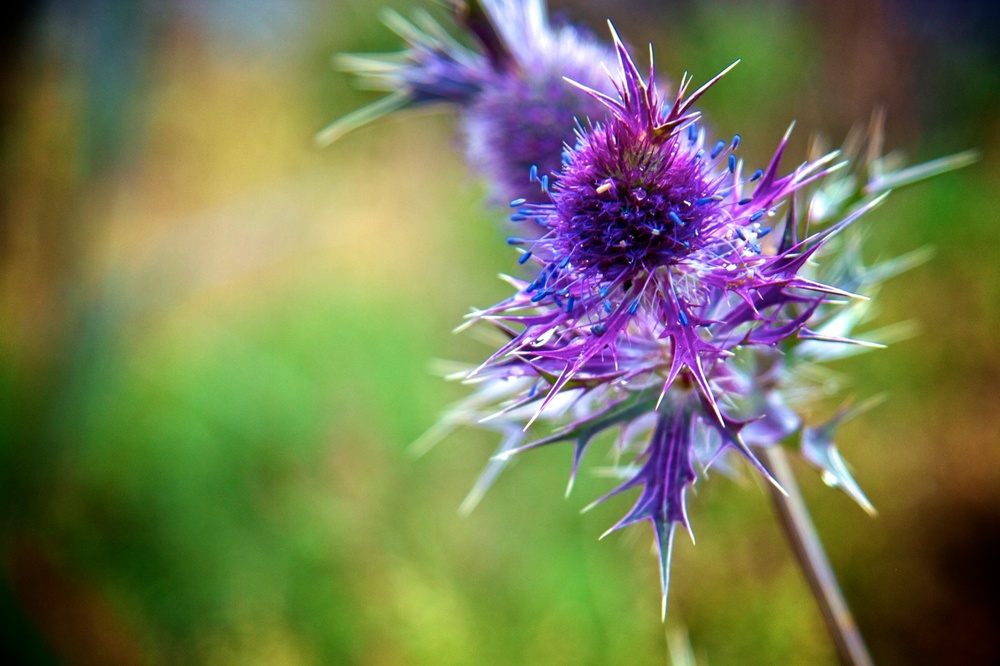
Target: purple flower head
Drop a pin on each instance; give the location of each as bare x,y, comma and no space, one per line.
662,300
648,230
517,110
675,297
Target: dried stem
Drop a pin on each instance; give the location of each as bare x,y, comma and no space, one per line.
798,527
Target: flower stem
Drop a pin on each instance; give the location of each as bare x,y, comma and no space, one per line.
798,527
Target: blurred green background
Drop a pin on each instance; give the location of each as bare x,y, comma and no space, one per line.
215,346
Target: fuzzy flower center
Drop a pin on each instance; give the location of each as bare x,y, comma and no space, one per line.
629,203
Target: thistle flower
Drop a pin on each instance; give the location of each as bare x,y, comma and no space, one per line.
674,297
515,106
647,228
662,300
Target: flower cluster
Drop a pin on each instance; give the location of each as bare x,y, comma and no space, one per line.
669,294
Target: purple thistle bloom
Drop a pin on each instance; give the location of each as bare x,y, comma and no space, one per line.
669,300
647,230
516,109
660,301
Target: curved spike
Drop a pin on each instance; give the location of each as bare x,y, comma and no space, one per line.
360,118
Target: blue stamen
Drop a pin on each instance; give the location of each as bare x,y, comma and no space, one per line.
511,240
524,257
533,173
517,217
736,141
692,132
683,317
756,216
763,232
607,306
718,149
565,262
635,306
517,202
756,175
732,163
676,218
703,201
598,329
744,201
540,295
569,304
604,290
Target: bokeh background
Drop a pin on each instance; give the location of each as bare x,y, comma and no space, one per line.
216,342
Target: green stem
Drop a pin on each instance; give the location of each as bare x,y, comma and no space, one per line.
808,549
